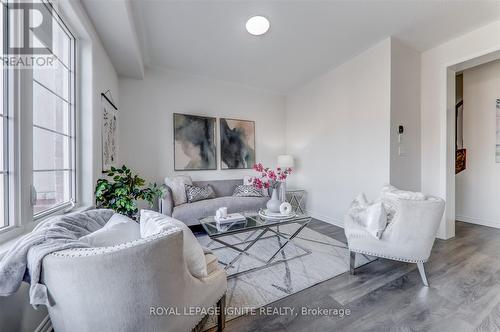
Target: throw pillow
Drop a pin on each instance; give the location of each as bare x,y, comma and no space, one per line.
358,205
248,181
247,191
119,229
194,193
375,219
176,184
391,195
153,223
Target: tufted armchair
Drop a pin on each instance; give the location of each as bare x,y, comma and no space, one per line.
409,237
134,286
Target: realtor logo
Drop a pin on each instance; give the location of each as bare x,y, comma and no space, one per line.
35,19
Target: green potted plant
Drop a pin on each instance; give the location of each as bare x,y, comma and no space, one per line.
122,189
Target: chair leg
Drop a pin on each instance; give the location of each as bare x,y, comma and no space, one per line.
221,317
352,262
422,273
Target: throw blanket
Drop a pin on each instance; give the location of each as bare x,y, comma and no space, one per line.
24,260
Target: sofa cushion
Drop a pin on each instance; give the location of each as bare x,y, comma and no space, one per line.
221,187
191,213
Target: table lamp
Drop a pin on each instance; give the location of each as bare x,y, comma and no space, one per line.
284,161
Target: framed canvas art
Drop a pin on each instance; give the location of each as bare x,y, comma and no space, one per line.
237,143
194,143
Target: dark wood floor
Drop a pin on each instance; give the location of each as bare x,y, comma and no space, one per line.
464,293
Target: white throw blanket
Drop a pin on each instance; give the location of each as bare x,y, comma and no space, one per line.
23,261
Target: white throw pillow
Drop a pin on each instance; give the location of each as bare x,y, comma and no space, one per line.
391,195
154,222
177,185
119,229
358,206
362,201
389,189
375,219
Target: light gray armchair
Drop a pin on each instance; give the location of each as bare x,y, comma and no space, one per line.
409,237
120,288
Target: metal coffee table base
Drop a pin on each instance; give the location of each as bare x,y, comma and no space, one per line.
250,243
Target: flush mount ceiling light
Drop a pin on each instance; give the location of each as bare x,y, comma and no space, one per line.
257,25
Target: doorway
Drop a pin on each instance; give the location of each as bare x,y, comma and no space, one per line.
477,141
454,212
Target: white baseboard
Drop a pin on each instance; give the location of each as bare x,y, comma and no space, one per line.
330,220
45,325
478,221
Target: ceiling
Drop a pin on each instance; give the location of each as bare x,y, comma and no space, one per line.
306,38
119,38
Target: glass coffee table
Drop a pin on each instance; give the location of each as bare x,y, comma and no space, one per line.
256,227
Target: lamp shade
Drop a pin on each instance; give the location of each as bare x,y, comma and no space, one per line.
285,161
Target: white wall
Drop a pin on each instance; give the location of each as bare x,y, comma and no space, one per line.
104,78
146,128
405,111
338,131
95,74
437,114
478,187
100,78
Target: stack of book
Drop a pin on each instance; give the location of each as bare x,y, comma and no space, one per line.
229,218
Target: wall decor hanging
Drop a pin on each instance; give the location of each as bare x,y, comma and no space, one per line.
194,142
237,143
109,131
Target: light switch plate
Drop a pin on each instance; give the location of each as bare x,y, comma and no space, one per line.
402,151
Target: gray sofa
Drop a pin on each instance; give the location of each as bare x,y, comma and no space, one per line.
190,213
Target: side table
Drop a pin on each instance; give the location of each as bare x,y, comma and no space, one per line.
296,198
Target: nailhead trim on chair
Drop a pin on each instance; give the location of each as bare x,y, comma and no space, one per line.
92,251
389,257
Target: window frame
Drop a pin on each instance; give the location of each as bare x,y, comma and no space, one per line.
5,173
18,132
72,102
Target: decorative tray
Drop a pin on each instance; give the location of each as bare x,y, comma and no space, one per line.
266,214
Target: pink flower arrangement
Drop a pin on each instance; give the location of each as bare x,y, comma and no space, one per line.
269,178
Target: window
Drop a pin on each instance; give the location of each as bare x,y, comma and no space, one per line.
4,142
37,115
54,145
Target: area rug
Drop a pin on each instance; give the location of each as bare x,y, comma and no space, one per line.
328,259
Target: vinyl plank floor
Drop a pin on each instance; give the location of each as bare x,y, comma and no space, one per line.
464,274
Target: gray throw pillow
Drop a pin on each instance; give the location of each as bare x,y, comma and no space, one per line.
247,191
194,193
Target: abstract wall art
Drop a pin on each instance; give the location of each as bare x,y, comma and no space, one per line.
194,143
237,142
